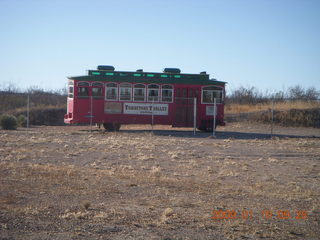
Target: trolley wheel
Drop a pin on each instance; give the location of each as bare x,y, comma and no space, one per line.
108,126
112,126
202,129
116,126
206,129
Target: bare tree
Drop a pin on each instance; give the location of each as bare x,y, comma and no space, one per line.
296,92
312,94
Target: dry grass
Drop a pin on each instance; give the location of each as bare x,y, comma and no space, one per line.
296,114
279,106
71,184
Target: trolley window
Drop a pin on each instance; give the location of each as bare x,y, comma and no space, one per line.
70,89
111,92
97,90
166,93
125,92
210,93
153,93
83,89
139,92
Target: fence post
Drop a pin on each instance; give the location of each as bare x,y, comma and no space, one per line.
91,113
214,117
152,117
194,115
28,109
272,113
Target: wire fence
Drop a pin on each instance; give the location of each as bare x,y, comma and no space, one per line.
284,112
274,113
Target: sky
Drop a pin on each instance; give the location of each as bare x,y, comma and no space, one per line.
269,44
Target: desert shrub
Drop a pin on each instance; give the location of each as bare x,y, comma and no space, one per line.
43,115
8,122
47,116
21,120
292,117
251,95
299,93
246,95
11,98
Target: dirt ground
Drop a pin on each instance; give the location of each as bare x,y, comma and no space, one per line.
70,183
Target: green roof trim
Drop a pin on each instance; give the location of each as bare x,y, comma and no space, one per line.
148,77
95,73
192,81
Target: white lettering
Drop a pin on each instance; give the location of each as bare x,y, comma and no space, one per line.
146,108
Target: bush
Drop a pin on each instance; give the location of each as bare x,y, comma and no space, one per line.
21,120
292,117
8,122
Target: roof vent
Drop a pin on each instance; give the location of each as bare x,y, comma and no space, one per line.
139,70
172,70
105,68
203,73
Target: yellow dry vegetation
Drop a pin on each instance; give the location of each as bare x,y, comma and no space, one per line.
280,106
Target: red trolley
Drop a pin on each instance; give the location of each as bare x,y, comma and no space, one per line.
112,98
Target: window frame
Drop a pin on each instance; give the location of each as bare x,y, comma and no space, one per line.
158,90
119,87
71,86
144,92
172,92
116,91
97,85
83,85
219,90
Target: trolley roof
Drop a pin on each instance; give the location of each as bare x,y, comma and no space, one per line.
147,77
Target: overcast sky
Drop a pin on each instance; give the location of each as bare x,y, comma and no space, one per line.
270,44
